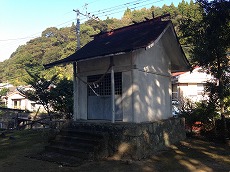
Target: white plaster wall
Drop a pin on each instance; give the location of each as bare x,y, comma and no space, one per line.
152,84
122,63
127,96
153,60
191,92
9,103
82,100
152,100
100,65
23,104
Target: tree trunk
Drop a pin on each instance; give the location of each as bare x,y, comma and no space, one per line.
221,99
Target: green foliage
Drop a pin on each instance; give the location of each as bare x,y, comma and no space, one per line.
3,92
115,23
204,112
39,91
227,103
210,40
86,32
62,98
136,15
97,25
55,94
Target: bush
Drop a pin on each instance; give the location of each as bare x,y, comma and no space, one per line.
203,112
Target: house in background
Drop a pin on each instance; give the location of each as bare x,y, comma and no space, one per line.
190,85
15,100
10,88
5,85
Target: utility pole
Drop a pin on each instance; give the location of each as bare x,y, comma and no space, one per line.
78,29
75,80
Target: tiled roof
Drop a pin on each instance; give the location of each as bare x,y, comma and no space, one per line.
177,73
121,40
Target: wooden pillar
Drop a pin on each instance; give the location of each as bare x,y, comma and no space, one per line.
112,90
75,92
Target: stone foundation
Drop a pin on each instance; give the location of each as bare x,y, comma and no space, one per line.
135,141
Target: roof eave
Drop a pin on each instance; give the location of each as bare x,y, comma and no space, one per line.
62,62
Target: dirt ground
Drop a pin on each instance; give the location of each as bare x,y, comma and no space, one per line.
188,156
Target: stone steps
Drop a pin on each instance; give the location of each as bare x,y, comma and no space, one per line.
81,143
71,151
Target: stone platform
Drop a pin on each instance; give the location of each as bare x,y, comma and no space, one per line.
132,140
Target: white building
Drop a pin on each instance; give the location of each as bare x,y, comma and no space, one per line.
5,85
137,62
190,85
9,88
15,100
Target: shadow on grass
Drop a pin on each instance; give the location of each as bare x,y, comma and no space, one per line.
188,156
191,155
16,141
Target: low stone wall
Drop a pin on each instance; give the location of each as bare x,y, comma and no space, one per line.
135,141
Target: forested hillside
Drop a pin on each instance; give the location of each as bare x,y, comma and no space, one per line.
57,43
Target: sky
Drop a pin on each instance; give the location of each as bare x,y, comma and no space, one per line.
23,20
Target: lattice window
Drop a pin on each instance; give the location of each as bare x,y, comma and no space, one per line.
103,88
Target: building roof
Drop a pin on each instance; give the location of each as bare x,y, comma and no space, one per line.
120,41
197,75
177,73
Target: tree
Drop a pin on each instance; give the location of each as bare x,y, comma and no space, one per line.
54,94
86,32
3,92
210,40
39,91
62,98
183,7
97,25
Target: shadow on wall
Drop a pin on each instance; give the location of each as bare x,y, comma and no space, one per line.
152,94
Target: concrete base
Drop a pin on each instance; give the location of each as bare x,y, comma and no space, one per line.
134,140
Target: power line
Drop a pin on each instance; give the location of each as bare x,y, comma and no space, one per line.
121,8
131,8
113,8
131,4
98,13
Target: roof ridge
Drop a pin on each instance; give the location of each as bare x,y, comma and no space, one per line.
135,25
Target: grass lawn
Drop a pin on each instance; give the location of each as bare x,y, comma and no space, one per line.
187,156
